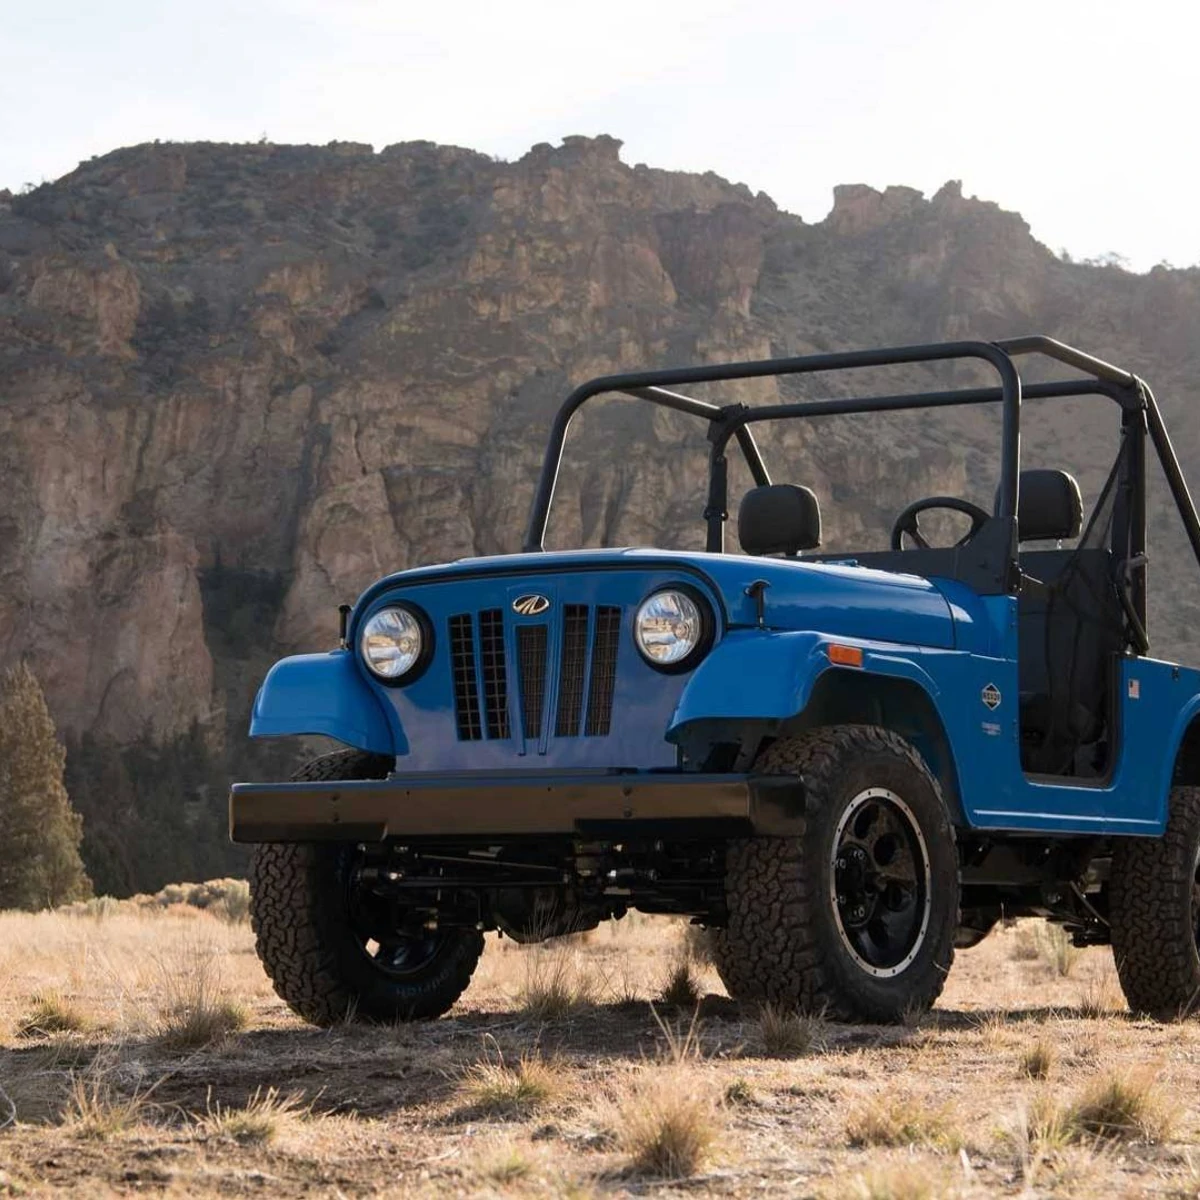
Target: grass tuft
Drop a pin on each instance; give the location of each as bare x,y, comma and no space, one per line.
901,1121
787,1033
196,1010
1058,950
206,1021
495,1088
509,1167
1038,1060
1117,1107
740,1094
1100,998
665,1123
98,1110
254,1124
50,1013
680,989
899,1182
553,986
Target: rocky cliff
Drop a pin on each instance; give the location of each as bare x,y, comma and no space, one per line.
239,382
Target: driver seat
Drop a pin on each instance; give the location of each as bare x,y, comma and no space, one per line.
779,518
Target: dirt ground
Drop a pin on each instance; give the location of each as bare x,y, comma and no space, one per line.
144,1052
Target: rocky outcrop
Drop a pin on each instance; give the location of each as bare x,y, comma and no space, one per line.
239,382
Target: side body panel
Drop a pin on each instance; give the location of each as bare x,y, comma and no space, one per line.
769,676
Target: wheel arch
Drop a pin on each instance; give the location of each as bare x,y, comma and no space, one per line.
1185,768
846,697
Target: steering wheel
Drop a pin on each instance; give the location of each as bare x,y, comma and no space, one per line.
907,521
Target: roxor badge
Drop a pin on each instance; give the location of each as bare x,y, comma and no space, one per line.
530,606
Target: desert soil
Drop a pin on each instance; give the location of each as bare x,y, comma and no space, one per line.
134,1101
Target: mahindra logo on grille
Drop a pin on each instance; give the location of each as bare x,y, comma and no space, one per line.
530,606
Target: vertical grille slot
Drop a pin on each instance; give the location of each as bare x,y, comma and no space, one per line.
604,671
572,670
495,674
531,670
466,685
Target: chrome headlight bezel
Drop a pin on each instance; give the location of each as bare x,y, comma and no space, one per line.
702,642
424,654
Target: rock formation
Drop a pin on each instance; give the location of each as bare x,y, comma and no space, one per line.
239,382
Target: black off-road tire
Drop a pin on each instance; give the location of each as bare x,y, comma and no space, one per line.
784,941
299,909
1154,905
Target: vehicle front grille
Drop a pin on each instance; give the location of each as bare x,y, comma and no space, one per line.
466,684
604,672
495,674
531,666
572,670
586,673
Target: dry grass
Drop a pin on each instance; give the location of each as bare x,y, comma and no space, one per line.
902,1120
255,1123
666,1122
1057,949
665,1117
1038,1060
633,1098
197,1010
786,1033
680,989
901,1181
50,1013
98,1107
1121,1106
1101,997
495,1088
507,1167
555,985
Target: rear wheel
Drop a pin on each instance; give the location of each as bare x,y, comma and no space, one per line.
335,951
1155,913
856,916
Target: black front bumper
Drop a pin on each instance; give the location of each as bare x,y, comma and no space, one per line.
515,806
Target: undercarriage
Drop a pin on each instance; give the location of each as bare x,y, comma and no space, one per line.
535,891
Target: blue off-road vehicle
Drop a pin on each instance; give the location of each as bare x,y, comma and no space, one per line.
843,766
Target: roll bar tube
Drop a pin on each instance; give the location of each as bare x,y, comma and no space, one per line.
654,385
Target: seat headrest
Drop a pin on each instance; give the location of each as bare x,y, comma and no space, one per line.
1049,507
780,518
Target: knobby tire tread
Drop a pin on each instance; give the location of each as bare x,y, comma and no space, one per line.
772,949
1153,936
289,913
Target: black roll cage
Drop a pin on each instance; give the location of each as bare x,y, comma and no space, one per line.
1140,415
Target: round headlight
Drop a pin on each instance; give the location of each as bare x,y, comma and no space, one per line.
668,628
392,642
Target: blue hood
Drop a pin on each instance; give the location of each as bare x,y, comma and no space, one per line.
834,598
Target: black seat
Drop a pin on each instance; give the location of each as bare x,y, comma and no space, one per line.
1049,506
779,518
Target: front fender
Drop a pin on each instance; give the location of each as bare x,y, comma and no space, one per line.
323,694
755,674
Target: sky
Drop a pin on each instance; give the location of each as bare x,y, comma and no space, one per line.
1080,116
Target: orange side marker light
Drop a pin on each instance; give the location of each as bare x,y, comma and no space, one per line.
846,656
